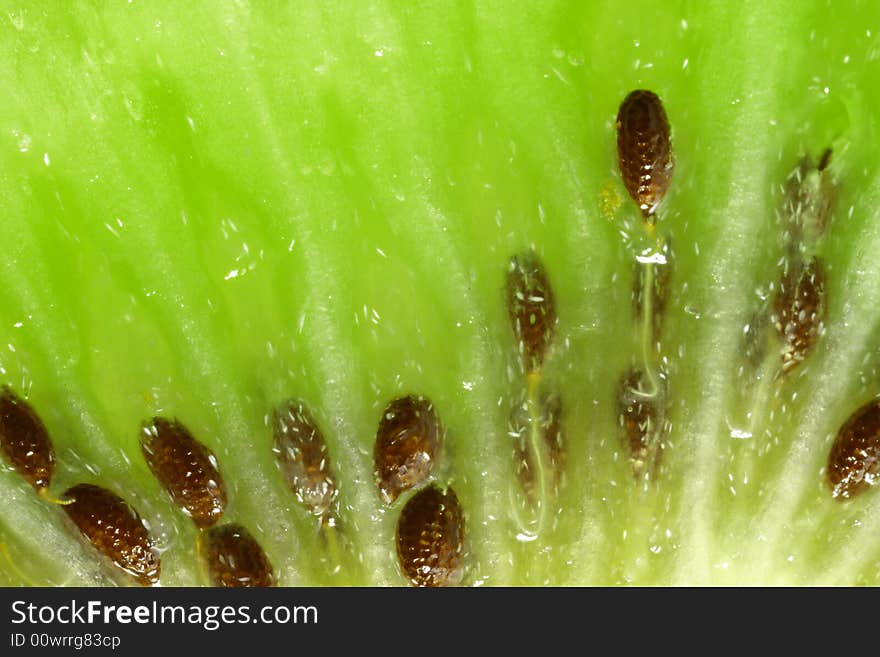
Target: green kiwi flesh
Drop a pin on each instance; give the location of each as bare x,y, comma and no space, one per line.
211,208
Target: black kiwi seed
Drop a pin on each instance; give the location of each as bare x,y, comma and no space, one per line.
25,441
824,160
303,457
799,311
531,308
524,462
235,559
643,150
640,418
854,460
408,443
430,538
550,428
115,529
186,469
810,196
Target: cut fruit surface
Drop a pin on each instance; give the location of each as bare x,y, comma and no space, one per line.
320,202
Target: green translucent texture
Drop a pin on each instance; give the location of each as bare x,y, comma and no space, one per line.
210,207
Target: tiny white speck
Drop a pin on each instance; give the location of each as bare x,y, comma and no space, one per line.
379,53
46,159
647,257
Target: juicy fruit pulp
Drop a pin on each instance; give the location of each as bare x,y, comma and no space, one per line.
320,203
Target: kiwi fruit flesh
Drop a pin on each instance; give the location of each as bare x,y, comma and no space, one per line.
212,209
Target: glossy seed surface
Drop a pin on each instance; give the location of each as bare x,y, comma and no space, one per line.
644,152
408,443
430,538
800,310
531,308
115,529
25,441
234,558
854,460
303,457
186,469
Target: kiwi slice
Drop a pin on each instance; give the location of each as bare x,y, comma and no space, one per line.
265,226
